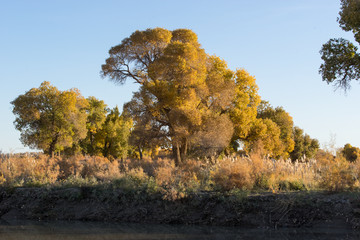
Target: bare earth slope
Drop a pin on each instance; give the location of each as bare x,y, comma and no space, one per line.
295,209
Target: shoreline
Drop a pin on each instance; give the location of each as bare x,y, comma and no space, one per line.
261,210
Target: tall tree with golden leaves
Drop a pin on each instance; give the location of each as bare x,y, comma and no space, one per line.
50,119
184,92
285,123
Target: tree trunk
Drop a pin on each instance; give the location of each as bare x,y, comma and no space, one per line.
106,149
183,149
178,155
140,152
52,146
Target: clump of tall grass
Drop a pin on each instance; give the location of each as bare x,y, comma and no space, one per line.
37,170
43,170
231,173
100,168
257,173
338,174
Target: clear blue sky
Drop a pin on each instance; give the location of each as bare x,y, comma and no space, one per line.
65,42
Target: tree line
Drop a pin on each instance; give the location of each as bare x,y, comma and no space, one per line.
189,103
64,121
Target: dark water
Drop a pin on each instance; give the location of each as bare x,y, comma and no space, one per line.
90,230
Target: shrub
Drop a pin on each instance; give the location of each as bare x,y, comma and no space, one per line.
262,182
165,174
233,173
99,167
338,175
137,175
19,170
291,185
78,181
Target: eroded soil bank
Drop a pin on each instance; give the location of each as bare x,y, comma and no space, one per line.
296,209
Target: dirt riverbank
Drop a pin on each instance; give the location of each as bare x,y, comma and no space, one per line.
265,210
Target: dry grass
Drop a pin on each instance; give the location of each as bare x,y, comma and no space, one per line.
338,174
224,174
98,167
19,170
232,173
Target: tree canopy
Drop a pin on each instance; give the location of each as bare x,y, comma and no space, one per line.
184,92
350,153
189,103
96,111
341,58
64,121
50,119
305,147
283,121
114,135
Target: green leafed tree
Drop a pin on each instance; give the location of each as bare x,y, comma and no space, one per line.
50,119
351,153
304,145
284,122
341,60
113,137
264,135
96,112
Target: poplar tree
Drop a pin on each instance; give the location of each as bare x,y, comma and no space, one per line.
187,98
50,119
341,57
